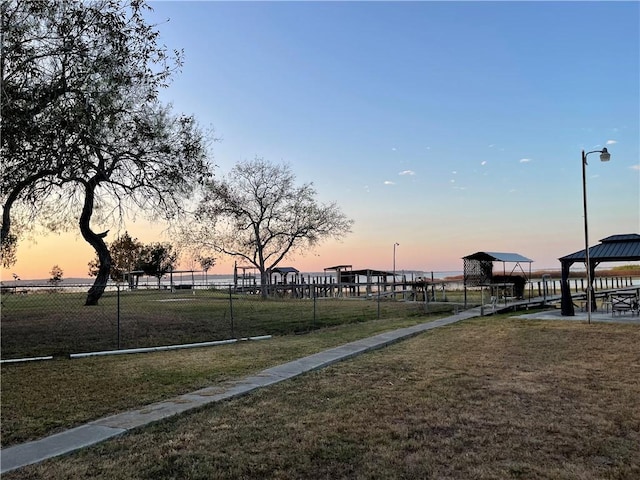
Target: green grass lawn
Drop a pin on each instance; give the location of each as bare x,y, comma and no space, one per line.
58,324
490,398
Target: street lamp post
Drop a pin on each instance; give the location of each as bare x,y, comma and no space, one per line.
604,157
394,268
394,260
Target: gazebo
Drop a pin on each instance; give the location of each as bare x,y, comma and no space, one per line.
478,270
284,272
616,248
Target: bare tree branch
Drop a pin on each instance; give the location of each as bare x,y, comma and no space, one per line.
258,214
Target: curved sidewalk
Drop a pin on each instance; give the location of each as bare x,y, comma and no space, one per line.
17,456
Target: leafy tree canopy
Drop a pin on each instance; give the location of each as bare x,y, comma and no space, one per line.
56,275
158,259
125,257
82,126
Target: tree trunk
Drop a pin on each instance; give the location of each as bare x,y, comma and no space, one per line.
97,242
264,284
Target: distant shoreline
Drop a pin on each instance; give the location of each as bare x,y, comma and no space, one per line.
220,278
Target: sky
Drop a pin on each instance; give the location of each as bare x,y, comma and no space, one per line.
446,127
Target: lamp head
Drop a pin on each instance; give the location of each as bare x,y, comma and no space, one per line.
605,156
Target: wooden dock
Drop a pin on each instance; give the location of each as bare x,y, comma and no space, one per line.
579,300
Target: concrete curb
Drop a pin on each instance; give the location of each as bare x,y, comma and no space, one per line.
126,351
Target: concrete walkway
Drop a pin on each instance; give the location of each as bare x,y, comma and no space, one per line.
102,429
97,431
596,317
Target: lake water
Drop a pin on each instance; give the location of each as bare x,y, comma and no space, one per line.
201,280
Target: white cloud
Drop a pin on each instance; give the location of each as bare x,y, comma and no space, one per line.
407,172
393,149
611,142
454,172
389,182
484,162
525,160
635,167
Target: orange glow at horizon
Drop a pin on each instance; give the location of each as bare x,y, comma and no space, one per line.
72,253
440,252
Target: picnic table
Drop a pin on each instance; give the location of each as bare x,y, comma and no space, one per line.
624,302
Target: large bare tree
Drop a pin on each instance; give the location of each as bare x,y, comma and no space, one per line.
82,126
257,213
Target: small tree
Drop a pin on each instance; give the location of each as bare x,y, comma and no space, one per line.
125,259
206,263
56,275
157,259
257,213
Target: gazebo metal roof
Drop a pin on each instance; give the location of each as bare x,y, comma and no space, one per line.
616,248
498,257
284,270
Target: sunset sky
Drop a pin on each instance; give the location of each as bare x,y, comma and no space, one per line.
447,127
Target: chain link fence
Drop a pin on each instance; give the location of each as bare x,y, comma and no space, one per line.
53,321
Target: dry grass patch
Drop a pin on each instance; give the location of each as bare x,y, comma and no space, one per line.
40,398
486,399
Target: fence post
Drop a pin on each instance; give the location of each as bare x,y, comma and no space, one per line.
118,314
427,297
433,288
314,293
231,310
378,299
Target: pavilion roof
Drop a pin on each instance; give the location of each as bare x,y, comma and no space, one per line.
498,257
615,248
